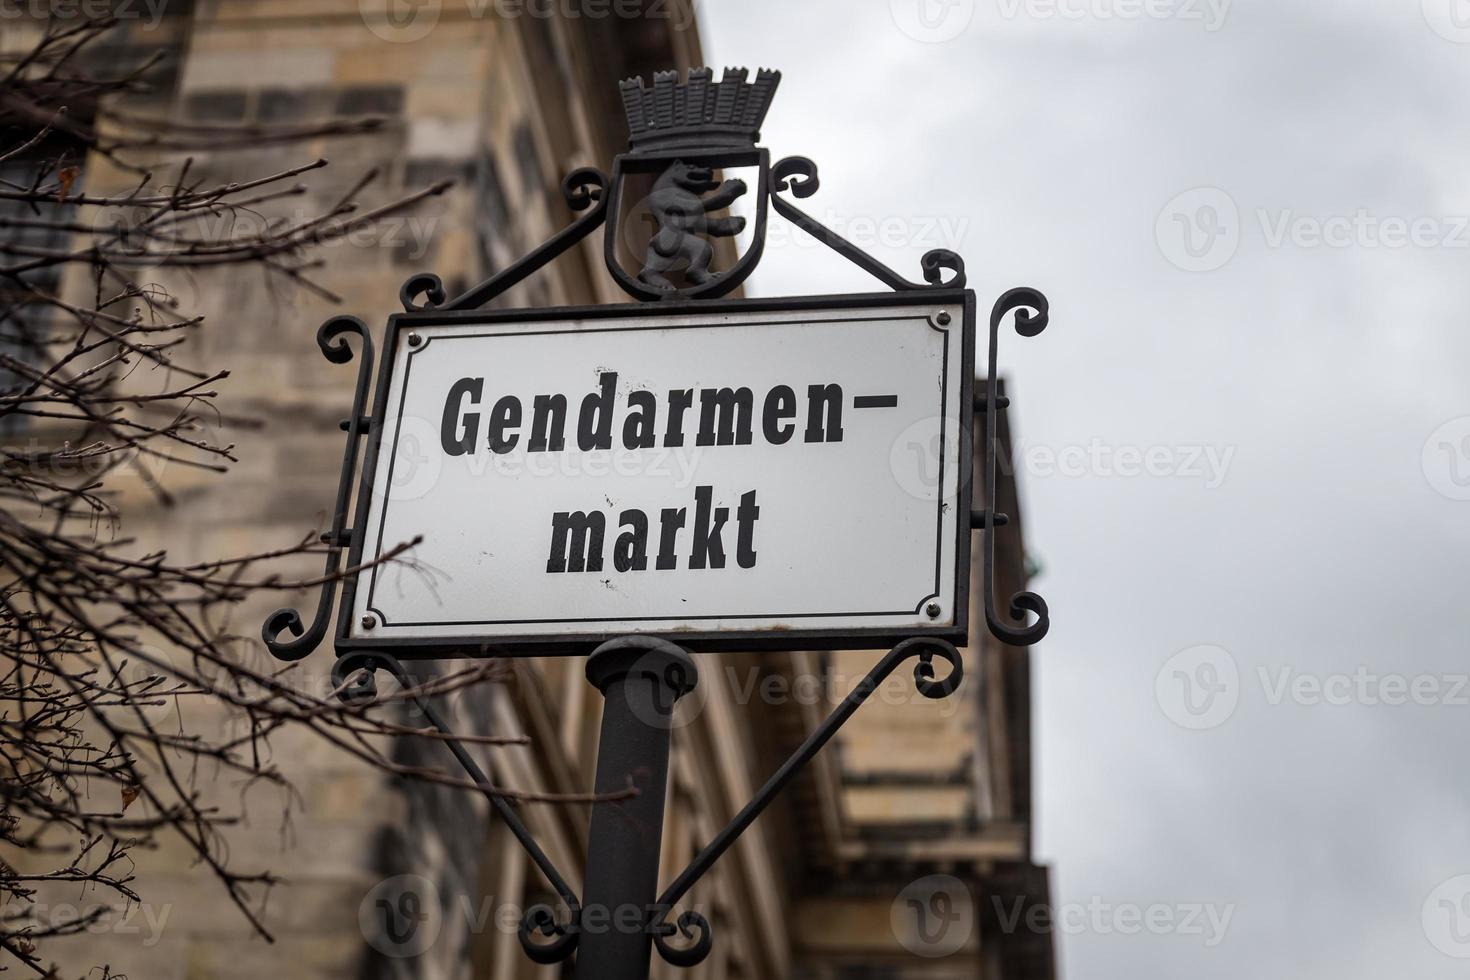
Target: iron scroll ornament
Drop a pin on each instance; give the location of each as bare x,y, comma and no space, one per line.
1018,301
331,338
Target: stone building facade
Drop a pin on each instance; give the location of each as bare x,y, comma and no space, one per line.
914,796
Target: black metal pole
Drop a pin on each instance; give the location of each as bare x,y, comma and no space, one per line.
640,678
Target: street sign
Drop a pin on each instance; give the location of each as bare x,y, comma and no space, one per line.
764,473
635,482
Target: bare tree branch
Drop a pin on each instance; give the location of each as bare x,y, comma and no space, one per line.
103,637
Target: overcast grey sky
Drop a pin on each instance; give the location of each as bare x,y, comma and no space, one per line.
1251,220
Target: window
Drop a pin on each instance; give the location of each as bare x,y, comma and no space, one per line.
23,320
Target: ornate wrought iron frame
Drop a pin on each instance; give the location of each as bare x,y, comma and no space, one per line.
358,551
546,937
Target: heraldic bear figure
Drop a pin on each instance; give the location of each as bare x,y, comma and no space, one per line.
682,211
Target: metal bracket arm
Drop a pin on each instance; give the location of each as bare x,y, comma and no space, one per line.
1019,301
799,175
580,189
538,918
925,648
590,187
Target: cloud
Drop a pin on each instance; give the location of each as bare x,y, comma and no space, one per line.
1057,142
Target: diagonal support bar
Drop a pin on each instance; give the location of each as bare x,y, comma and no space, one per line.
925,648
581,189
538,918
799,176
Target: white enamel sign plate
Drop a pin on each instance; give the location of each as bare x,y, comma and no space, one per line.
750,477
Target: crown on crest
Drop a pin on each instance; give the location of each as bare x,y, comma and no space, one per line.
700,112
